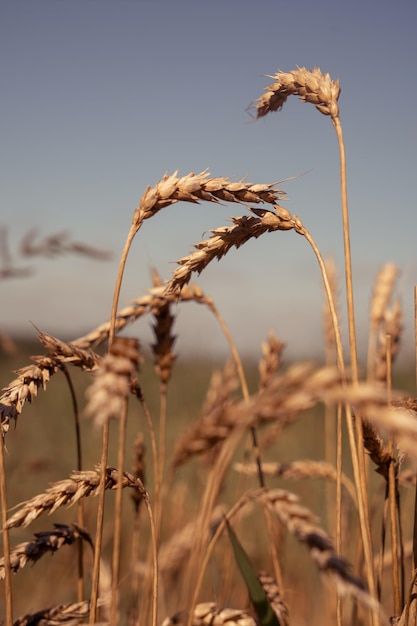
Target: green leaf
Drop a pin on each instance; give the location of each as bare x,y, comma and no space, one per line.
257,593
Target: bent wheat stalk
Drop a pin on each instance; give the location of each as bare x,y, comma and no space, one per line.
319,89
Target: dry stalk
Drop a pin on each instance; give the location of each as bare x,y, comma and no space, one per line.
318,89
8,593
138,471
164,359
108,399
44,542
79,466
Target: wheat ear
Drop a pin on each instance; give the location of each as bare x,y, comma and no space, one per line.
44,542
209,613
190,188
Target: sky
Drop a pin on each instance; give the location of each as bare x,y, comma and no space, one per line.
101,98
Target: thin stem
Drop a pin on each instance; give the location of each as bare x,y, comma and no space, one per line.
362,483
118,517
130,236
339,459
358,468
392,490
99,525
155,559
414,563
80,505
346,239
8,597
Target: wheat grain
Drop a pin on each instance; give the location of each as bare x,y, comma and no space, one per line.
45,541
113,381
382,292
244,228
207,613
162,347
301,523
55,615
297,470
271,359
196,187
274,598
67,352
310,85
67,492
392,327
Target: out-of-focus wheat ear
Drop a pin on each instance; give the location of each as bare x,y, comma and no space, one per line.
301,523
59,614
299,470
68,353
274,597
392,328
209,613
175,552
381,298
272,350
44,542
211,427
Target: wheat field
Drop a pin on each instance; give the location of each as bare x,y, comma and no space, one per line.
168,491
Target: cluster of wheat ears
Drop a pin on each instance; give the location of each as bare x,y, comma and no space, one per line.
378,423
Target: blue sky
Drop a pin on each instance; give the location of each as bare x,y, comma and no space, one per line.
101,98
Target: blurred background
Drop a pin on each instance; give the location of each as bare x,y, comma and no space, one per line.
100,99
